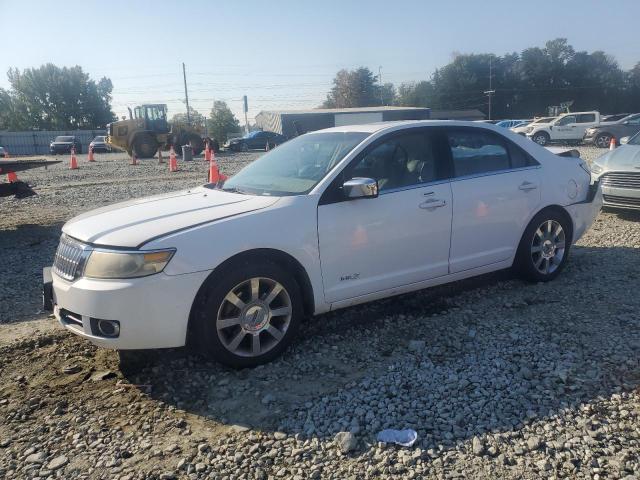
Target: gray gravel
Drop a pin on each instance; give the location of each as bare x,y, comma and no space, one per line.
500,378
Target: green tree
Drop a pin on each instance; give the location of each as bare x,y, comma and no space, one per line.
222,121
353,88
54,98
196,117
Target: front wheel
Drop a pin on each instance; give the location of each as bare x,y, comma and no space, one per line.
249,315
603,140
145,146
541,138
544,247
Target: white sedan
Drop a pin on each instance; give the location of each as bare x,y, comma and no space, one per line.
327,220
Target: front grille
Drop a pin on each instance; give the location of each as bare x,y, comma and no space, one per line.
69,258
622,201
621,180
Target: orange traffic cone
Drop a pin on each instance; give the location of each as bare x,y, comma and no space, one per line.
12,177
160,159
134,159
73,165
173,161
90,158
6,153
207,152
612,143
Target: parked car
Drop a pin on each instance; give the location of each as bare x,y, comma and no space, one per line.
522,129
569,127
618,171
601,135
257,140
511,123
614,118
329,219
99,144
64,143
2,152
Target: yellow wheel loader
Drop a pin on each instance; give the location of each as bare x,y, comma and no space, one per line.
147,131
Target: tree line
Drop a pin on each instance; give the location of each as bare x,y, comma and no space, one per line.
524,84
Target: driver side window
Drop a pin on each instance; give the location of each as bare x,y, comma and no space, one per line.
400,161
567,120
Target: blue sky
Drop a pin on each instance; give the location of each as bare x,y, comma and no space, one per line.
284,54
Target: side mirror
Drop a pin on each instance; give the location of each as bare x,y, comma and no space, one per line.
360,188
624,140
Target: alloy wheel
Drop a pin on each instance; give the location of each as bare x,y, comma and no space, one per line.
603,141
254,317
548,247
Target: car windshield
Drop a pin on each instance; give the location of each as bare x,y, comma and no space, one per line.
63,139
544,120
98,139
252,134
295,167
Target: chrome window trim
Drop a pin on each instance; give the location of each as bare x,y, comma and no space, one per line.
495,172
415,186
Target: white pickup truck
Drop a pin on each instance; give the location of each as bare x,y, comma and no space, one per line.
569,127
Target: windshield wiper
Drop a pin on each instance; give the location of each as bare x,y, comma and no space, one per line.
234,190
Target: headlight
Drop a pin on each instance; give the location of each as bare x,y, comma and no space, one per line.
102,264
596,169
529,130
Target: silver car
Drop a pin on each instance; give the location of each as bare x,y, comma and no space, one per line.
619,173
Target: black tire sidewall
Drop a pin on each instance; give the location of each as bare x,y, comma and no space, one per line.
141,140
524,262
600,136
541,135
205,318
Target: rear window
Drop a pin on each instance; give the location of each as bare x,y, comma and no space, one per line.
586,118
98,139
64,139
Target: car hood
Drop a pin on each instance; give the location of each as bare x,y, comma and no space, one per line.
133,223
624,158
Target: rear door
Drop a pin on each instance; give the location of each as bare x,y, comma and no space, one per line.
584,121
496,190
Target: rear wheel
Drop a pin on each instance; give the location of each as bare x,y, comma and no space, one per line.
244,147
544,247
196,143
603,140
145,146
249,315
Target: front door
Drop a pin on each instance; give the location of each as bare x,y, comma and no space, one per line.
565,129
400,237
496,190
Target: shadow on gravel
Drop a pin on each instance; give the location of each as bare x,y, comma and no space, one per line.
628,215
488,354
24,252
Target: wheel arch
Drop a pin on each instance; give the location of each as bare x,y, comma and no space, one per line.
556,208
279,257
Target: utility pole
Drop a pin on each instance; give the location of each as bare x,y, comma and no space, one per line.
186,95
245,107
490,91
380,81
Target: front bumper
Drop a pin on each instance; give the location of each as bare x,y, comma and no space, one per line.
153,311
627,198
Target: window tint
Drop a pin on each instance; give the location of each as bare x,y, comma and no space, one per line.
634,120
519,159
475,152
586,118
567,120
401,161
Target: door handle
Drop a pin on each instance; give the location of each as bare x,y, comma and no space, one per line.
432,203
526,186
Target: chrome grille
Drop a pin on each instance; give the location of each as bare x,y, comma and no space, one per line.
69,257
622,201
621,180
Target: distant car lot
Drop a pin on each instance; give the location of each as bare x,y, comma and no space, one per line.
258,140
64,144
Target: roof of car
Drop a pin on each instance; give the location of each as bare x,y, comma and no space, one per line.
379,126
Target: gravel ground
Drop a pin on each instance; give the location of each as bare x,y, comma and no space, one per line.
500,378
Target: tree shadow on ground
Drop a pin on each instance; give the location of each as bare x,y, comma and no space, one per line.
497,353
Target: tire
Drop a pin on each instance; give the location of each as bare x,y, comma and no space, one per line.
541,138
196,143
543,249
244,147
602,140
145,146
231,315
